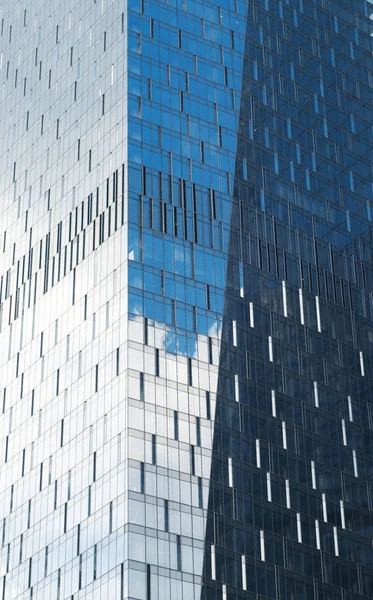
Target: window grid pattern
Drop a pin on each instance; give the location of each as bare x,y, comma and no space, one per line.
186,300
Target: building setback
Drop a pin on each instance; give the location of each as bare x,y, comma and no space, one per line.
186,300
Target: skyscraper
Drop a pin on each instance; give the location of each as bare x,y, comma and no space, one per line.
186,300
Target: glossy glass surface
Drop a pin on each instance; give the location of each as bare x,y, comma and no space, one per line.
186,300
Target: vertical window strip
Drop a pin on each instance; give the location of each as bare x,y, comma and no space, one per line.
257,450
316,394
269,487
313,474
287,492
318,317
230,472
262,546
273,400
236,388
251,310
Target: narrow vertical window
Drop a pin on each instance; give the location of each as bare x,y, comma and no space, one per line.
94,467
354,460
23,461
230,471
335,536
236,388
192,461
284,436
273,401
269,487
234,332
270,349
146,331
142,478
80,571
210,351
142,387
350,415
284,299
176,425
313,474
324,508
200,493
262,546
29,572
190,372
344,434
251,314
299,528
198,431
208,406
257,450
243,570
316,393
156,362
318,316
213,563
287,493
362,368
20,546
148,583
301,306
69,485
95,562
11,498
154,450
166,515
317,532
343,519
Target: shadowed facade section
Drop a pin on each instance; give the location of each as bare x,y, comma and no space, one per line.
291,471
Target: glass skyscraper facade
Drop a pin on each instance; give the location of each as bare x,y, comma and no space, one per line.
186,300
